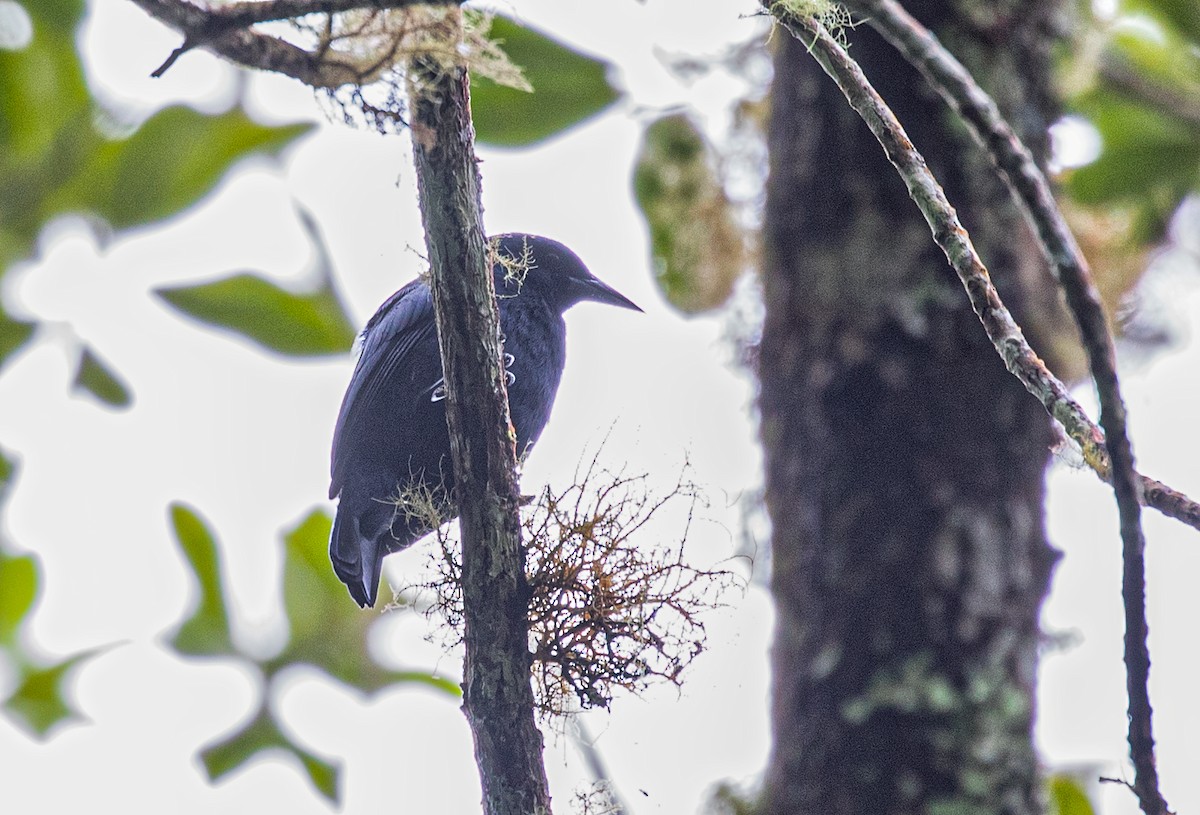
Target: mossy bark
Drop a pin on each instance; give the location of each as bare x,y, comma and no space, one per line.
905,466
497,695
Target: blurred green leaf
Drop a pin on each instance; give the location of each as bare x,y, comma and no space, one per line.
18,574
697,249
38,703
1143,149
262,733
1067,797
45,123
206,631
18,589
96,378
328,630
1181,14
54,158
568,87
307,324
60,16
7,471
57,156
1137,59
13,334
42,86
169,163
1143,96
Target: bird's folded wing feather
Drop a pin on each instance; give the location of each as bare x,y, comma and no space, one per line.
402,323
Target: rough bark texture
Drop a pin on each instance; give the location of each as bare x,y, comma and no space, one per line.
497,696
904,465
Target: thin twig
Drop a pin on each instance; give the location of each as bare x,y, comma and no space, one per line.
1032,192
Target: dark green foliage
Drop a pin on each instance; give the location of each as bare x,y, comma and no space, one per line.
1067,797
326,632
37,703
58,154
697,248
1145,101
95,377
294,324
263,733
206,631
568,87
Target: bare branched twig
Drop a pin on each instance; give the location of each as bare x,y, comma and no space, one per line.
1033,194
609,608
610,605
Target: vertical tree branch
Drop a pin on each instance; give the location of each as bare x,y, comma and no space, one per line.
1032,193
497,698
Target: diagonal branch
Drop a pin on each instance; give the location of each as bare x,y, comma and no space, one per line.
1006,336
246,13
225,30
1034,196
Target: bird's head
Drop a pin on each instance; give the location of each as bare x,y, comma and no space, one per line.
548,269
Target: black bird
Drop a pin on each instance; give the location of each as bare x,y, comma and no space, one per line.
391,435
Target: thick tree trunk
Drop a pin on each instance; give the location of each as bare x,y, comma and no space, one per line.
904,465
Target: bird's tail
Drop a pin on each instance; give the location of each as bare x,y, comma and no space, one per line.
357,558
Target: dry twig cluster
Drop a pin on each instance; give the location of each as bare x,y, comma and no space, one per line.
609,608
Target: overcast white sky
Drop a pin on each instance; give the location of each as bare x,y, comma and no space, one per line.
243,437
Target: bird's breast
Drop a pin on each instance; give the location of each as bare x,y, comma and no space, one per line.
535,353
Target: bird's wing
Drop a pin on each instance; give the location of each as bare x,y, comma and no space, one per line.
401,324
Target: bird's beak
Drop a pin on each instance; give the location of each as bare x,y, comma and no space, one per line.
600,292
